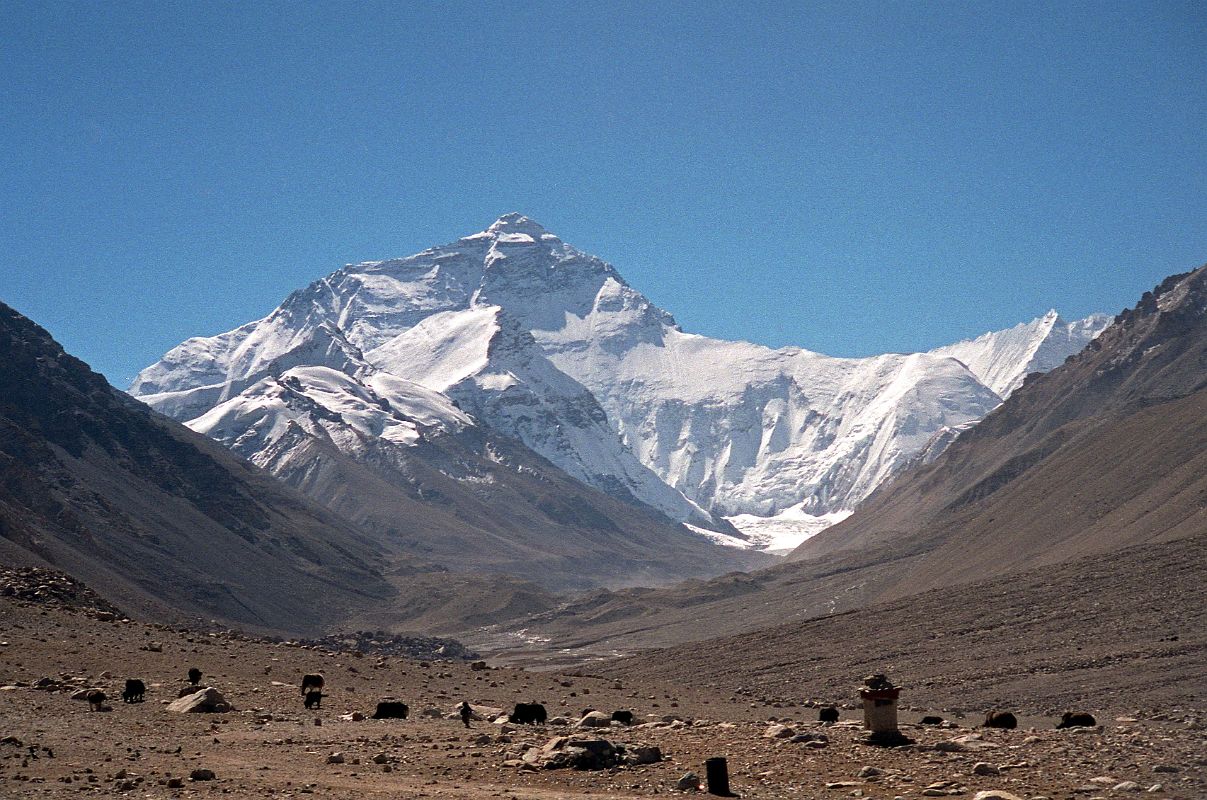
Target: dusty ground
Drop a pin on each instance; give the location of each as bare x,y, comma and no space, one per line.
271,747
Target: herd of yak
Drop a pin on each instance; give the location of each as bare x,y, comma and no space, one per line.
534,713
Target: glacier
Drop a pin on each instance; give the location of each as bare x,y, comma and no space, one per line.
514,329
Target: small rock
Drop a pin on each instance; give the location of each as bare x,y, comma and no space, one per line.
1157,768
175,783
778,732
201,775
645,755
869,772
688,783
381,758
995,794
985,768
1127,786
335,758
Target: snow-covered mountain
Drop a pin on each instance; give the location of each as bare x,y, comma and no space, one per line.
541,342
1001,359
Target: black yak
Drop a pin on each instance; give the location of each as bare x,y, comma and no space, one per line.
828,714
528,714
312,683
134,691
1077,720
391,709
1001,719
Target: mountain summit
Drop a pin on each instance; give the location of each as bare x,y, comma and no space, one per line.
541,342
515,222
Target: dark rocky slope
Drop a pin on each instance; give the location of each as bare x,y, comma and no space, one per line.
157,518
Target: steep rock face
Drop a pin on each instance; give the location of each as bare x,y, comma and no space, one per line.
541,342
405,463
157,517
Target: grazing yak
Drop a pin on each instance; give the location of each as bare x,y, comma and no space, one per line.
96,699
313,700
528,714
391,709
134,691
311,683
828,714
194,676
1077,720
623,717
1001,719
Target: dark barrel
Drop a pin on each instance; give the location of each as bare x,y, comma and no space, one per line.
717,772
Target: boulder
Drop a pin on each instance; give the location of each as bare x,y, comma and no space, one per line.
644,755
568,752
594,719
207,701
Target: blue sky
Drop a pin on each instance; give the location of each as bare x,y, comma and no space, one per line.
852,178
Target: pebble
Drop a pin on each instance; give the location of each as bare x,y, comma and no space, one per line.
985,768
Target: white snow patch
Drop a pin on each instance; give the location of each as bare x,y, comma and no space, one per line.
784,532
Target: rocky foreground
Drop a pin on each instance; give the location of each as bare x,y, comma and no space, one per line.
268,745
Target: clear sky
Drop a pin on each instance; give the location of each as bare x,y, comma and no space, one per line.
852,178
